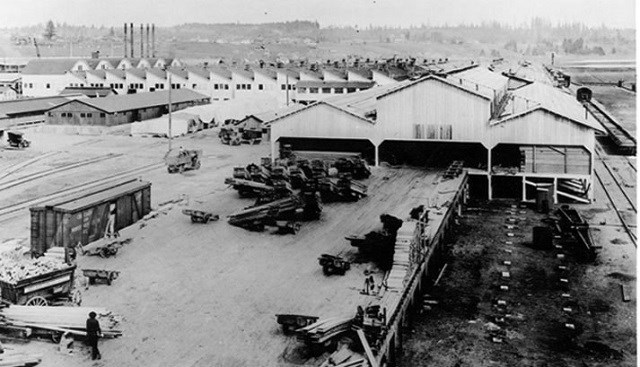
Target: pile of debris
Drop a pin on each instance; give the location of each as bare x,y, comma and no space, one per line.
324,330
55,321
13,359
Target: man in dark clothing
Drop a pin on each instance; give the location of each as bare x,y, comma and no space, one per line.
93,332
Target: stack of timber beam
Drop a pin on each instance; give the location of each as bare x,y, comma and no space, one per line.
323,330
19,359
59,319
343,357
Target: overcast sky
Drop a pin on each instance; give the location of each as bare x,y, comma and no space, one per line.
615,13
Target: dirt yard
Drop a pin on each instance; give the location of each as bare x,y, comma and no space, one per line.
206,295
528,319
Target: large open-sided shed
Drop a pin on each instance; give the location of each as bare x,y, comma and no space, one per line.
529,136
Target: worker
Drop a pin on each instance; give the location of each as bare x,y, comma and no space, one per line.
366,286
66,343
93,333
181,151
372,285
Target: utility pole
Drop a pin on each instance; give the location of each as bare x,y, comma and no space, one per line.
170,135
287,86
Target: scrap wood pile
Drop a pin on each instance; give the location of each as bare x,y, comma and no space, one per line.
344,357
58,319
323,330
14,267
11,359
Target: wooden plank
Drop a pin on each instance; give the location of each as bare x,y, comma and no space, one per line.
367,348
626,297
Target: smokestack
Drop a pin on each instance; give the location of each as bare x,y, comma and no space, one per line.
141,40
125,40
131,39
153,40
148,53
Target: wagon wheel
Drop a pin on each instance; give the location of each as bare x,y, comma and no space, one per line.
37,301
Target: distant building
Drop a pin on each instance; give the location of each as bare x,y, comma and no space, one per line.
28,111
91,92
122,109
8,94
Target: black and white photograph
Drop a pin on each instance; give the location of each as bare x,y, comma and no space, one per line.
318,183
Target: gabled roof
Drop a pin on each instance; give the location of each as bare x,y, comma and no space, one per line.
318,103
448,81
314,74
127,102
537,96
340,73
333,84
182,73
88,91
49,66
244,73
116,72
363,72
483,80
285,71
160,73
268,72
220,71
30,105
269,116
140,73
97,73
199,71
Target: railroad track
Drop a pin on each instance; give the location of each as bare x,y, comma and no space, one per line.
8,211
36,175
630,201
624,141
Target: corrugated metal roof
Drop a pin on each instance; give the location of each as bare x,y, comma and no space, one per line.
364,102
268,116
127,102
48,66
540,95
30,105
482,77
102,197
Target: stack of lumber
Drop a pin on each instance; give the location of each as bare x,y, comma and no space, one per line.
323,330
10,359
61,319
13,267
555,160
401,258
343,357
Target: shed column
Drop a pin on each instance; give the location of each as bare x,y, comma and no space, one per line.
524,189
377,154
490,191
555,190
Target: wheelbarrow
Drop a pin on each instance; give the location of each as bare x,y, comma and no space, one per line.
199,216
99,274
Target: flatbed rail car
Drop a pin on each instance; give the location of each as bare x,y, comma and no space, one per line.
39,290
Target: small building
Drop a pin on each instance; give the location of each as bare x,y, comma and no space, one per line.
83,218
8,94
122,109
29,110
309,91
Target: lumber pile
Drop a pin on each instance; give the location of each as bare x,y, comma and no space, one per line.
55,253
11,359
14,267
323,330
60,319
401,259
344,357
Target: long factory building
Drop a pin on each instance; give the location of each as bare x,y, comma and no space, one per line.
513,136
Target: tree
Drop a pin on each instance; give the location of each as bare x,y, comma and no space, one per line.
49,30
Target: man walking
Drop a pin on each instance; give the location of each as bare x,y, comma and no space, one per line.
93,333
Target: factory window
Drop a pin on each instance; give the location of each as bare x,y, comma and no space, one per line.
238,86
121,85
351,90
261,86
291,86
302,90
313,90
326,90
248,86
283,87
338,90
102,114
30,85
89,115
226,86
215,86
48,85
82,115
194,86
69,115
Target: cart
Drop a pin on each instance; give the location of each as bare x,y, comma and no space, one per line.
40,290
291,322
199,216
333,264
104,247
99,274
16,139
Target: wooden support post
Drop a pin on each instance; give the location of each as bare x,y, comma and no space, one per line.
367,348
555,190
490,193
533,159
524,189
377,154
